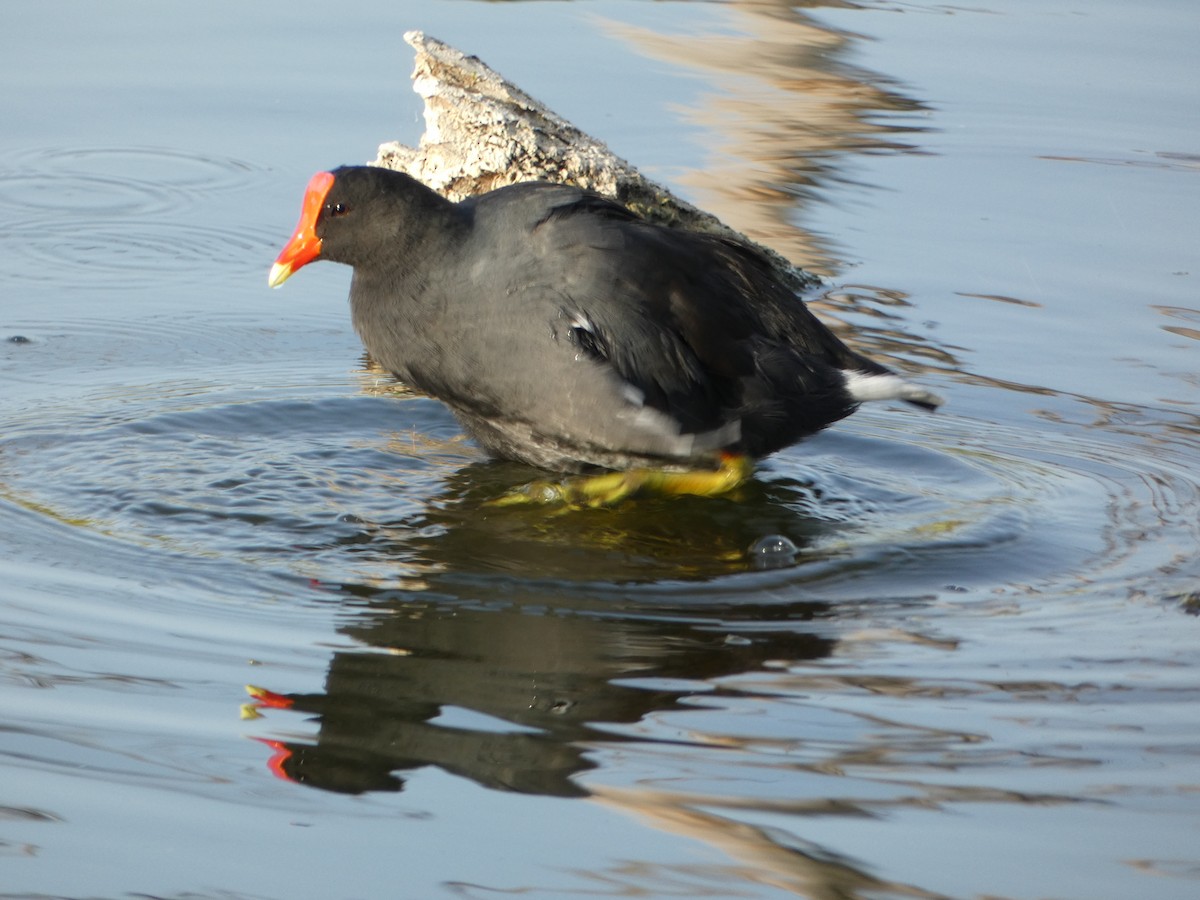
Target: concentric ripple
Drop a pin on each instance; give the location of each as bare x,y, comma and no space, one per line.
349,488
134,215
131,251
114,180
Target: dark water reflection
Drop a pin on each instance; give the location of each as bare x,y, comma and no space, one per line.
508,695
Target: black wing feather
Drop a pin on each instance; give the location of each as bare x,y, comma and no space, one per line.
701,326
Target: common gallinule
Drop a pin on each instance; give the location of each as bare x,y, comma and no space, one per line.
567,333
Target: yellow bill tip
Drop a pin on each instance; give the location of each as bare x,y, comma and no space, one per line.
280,272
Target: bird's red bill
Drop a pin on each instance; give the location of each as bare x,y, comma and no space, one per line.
304,245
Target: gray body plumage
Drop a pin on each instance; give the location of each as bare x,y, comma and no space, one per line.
565,332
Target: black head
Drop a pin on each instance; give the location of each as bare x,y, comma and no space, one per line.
364,216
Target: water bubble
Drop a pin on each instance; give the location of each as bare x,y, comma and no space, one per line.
774,551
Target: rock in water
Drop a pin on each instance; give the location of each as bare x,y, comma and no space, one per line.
483,132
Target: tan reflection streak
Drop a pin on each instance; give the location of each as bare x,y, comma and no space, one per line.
790,110
802,869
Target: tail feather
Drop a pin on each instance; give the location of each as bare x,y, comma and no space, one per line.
864,386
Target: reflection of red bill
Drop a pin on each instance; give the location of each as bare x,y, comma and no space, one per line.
269,698
281,755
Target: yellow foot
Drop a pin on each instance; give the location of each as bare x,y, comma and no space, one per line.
613,487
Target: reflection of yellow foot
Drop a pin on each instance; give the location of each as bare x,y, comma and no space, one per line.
612,487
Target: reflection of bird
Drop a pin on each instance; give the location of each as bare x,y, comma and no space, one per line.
567,333
510,695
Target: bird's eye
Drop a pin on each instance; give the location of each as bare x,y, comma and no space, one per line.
333,210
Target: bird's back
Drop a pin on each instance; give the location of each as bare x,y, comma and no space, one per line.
698,324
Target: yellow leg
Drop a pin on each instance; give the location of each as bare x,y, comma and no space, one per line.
612,487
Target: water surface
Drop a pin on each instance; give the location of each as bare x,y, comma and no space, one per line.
917,656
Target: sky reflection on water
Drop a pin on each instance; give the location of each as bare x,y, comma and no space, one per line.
975,677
